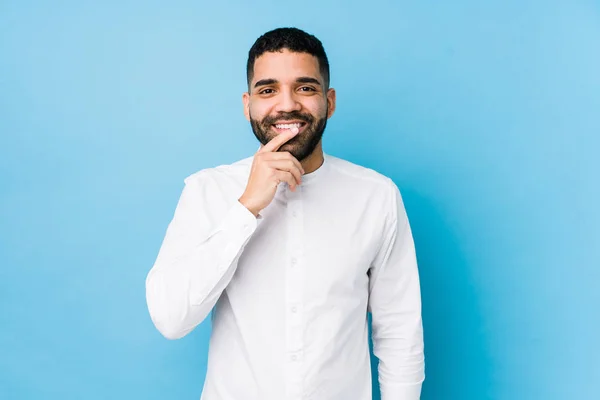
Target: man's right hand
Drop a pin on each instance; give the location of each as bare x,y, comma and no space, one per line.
269,168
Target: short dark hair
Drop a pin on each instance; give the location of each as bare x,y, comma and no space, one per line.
293,39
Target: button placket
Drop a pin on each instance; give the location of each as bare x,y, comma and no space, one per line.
294,289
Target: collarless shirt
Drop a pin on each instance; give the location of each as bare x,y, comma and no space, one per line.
290,290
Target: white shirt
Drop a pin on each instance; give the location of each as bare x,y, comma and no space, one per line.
291,288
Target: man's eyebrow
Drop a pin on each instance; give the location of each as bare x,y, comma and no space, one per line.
264,82
302,79
308,79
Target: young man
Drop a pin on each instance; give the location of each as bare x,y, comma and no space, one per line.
292,247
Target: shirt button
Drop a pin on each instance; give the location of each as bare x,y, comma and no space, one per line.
294,309
294,357
294,214
294,261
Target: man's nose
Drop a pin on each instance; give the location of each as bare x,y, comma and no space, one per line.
288,102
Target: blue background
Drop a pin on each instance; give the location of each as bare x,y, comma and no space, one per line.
486,114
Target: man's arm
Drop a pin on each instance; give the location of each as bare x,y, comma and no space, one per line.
198,256
395,305
206,237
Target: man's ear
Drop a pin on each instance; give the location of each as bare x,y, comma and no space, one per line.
331,102
246,101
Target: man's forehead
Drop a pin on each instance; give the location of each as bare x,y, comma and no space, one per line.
286,65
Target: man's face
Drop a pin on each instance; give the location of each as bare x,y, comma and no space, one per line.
287,88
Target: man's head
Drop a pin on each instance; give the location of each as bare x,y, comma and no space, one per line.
288,82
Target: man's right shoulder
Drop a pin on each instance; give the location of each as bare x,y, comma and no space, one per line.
234,171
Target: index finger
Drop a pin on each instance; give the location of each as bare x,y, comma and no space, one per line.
275,143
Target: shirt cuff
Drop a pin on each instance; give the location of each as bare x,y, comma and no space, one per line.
401,392
239,218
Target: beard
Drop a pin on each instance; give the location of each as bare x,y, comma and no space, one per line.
300,146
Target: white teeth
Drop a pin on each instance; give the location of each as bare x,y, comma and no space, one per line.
287,126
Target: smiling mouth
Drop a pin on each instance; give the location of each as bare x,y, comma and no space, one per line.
288,126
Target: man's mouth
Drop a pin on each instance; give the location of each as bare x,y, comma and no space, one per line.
282,127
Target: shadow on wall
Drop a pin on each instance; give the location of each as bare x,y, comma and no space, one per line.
457,364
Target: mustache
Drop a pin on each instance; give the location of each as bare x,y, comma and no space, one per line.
294,115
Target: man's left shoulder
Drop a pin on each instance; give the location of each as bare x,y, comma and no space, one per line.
363,175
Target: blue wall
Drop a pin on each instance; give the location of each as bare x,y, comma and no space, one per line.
486,114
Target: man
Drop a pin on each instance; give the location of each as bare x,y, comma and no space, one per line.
292,247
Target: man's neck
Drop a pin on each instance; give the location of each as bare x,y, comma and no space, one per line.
314,160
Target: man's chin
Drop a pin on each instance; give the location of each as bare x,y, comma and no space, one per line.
294,150
291,148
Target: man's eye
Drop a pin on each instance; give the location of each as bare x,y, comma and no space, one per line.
266,91
307,89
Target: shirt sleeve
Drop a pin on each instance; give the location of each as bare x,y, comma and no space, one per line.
395,305
198,256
